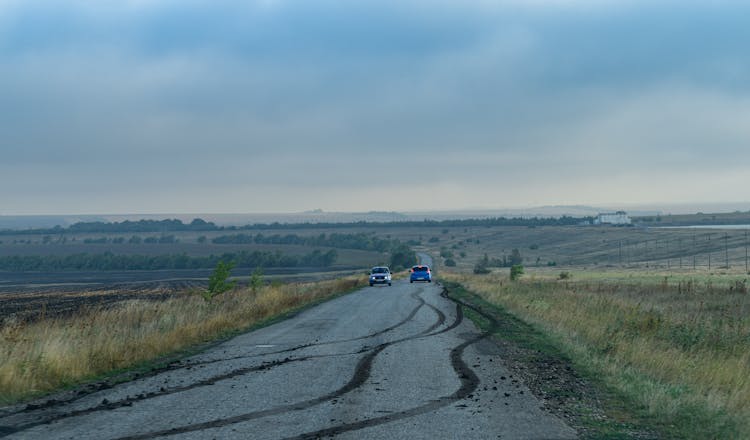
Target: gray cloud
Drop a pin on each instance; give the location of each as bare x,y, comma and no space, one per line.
194,106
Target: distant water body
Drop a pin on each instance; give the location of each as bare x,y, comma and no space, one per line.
707,227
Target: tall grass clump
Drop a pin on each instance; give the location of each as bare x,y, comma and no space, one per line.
50,354
677,349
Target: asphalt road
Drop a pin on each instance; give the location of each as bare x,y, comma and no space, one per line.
380,363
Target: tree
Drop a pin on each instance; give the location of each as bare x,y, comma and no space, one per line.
515,258
402,257
217,282
483,266
450,262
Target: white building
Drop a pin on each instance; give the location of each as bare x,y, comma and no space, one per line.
612,218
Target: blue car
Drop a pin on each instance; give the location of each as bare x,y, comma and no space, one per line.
420,273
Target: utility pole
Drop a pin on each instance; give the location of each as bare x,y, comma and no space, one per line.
620,252
709,251
679,250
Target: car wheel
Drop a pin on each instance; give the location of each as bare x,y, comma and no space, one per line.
370,284
389,284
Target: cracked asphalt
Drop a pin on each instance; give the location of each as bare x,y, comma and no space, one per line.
380,363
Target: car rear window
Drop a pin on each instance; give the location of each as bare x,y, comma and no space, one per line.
420,268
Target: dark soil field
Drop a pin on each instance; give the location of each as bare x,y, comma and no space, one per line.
29,296
30,306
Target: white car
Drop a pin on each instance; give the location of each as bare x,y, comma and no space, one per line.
380,275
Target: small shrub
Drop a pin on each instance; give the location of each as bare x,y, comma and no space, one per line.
445,253
516,271
217,282
450,262
565,275
256,280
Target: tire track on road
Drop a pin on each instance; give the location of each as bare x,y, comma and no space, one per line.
469,384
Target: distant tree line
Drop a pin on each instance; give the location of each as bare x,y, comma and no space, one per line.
167,225
110,261
362,241
486,222
174,225
485,263
135,239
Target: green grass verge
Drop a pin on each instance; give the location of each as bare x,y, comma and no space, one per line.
624,419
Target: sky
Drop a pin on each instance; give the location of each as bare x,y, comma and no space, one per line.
182,106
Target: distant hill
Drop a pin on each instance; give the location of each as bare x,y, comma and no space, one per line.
21,222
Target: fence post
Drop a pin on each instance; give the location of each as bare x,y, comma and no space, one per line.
694,251
726,250
746,270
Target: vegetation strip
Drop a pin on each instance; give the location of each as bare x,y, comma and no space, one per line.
110,261
198,224
666,354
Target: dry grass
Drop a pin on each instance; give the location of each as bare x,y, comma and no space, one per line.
677,347
44,356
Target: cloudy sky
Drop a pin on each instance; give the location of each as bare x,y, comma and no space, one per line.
170,106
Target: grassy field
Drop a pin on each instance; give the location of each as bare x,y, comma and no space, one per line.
698,219
51,354
674,347
595,247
